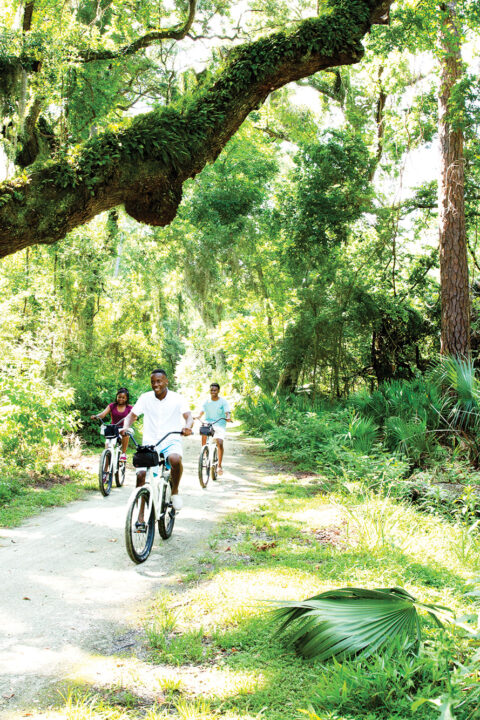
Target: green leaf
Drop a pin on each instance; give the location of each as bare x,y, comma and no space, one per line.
352,620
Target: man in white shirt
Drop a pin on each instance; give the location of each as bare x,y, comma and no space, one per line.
163,411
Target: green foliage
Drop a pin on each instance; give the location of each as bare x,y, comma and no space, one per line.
35,417
344,622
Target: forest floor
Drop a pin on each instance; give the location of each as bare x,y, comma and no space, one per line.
72,599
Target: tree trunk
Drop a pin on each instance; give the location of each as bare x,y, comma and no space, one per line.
455,338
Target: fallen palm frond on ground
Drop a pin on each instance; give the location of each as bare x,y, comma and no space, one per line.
353,620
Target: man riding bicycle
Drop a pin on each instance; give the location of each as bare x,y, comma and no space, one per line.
163,411
216,410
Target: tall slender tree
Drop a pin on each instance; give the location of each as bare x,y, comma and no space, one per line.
455,338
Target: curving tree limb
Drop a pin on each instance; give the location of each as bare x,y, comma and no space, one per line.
178,32
144,165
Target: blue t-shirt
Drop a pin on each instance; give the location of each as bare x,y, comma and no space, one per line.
215,409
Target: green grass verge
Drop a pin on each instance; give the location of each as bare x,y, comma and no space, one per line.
27,498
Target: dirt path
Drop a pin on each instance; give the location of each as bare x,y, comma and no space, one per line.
69,591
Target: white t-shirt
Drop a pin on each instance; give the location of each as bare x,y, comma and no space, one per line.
160,416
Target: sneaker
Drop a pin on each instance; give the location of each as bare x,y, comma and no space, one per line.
219,471
123,458
177,502
140,527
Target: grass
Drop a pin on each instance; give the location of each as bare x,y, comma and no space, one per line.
23,494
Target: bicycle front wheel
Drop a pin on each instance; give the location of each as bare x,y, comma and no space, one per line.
166,521
105,473
139,529
204,467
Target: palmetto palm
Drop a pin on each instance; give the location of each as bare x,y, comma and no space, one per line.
353,620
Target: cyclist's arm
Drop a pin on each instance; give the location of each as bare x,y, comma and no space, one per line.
101,415
128,422
197,417
188,417
228,416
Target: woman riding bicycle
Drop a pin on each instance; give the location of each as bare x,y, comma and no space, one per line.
118,412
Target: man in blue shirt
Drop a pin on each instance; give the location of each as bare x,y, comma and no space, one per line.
216,408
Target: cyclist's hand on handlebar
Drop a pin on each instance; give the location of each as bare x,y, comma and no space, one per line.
229,420
187,431
94,417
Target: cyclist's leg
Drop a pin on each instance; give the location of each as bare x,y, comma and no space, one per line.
141,473
175,462
219,437
125,440
220,452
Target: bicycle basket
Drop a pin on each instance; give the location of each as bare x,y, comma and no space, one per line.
110,431
207,430
146,456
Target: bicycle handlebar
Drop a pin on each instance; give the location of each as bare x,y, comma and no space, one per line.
104,423
206,422
173,432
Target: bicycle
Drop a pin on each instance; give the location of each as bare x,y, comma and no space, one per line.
110,465
208,458
151,501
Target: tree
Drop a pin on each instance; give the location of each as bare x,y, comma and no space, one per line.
452,236
144,163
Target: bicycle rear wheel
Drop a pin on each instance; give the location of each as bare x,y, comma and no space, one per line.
105,473
204,467
166,521
214,467
139,534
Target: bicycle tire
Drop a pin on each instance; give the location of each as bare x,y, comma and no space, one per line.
139,545
105,477
214,467
166,521
204,466
120,473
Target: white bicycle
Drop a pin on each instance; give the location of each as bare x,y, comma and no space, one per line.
208,458
110,465
150,503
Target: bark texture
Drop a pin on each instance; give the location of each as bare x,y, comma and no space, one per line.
144,165
455,338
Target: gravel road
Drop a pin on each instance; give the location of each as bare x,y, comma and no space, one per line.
68,588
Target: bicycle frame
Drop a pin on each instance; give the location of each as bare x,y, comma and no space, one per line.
112,444
156,478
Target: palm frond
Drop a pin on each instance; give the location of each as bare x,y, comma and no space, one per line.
352,620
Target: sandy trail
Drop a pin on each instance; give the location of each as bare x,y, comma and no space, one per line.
68,588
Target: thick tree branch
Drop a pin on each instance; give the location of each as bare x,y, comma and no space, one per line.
145,164
175,33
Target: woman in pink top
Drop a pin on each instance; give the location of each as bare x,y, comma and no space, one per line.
118,411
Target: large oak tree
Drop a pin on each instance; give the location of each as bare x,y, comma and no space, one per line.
143,162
